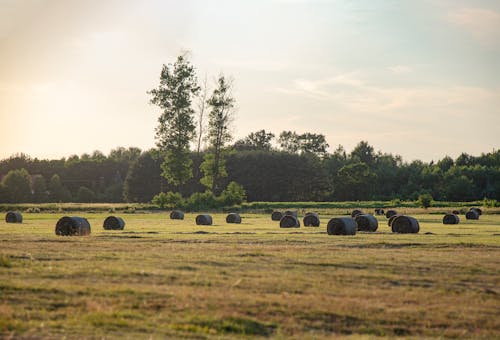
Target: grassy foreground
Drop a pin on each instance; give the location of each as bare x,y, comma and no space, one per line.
160,278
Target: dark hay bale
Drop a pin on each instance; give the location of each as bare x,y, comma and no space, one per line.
356,212
478,210
455,212
14,217
472,215
341,226
114,223
292,213
311,220
204,219
72,226
233,218
390,213
451,219
276,215
289,221
366,222
177,215
391,219
405,225
379,211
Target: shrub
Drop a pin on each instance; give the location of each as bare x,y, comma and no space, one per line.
202,201
234,194
425,200
170,199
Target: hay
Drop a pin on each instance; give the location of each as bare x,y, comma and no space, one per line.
204,219
72,226
14,217
311,220
289,221
356,212
472,215
366,222
177,215
390,213
451,219
113,223
391,219
294,213
233,218
276,215
341,226
478,210
405,225
379,211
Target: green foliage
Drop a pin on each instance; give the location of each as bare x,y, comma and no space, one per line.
17,186
176,129
425,200
490,203
260,140
85,195
305,143
354,182
168,200
234,194
210,172
40,192
57,191
202,201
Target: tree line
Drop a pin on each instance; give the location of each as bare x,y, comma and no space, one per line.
259,167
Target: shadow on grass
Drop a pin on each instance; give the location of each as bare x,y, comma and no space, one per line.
229,325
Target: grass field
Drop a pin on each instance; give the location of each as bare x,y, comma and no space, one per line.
160,278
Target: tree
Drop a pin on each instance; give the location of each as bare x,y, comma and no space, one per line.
17,185
202,104
221,105
40,193
176,129
313,143
289,141
425,200
260,140
354,182
363,152
57,191
85,195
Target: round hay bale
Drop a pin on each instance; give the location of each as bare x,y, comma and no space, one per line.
366,222
114,223
177,215
405,225
472,215
233,218
292,213
390,213
451,219
72,226
341,226
289,221
478,210
276,215
356,212
391,219
13,217
204,219
456,212
379,211
311,220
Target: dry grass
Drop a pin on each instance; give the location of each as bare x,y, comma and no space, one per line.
170,278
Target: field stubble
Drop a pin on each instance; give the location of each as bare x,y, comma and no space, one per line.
170,278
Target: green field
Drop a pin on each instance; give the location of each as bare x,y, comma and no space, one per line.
160,278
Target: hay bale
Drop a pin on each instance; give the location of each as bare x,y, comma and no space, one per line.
405,225
356,212
379,211
276,215
114,223
478,210
366,222
289,221
72,226
451,219
233,218
294,213
311,220
14,217
456,212
390,213
177,215
204,219
391,219
472,215
341,226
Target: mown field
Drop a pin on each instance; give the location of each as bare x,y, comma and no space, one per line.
161,278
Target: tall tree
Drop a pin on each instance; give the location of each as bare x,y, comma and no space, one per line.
40,193
17,184
221,105
260,140
202,104
176,128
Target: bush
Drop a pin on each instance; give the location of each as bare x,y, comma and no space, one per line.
234,194
202,201
170,199
425,200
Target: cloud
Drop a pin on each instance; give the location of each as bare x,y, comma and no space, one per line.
483,24
400,69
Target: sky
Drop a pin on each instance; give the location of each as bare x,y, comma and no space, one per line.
420,79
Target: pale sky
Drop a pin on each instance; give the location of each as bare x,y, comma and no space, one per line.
416,78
